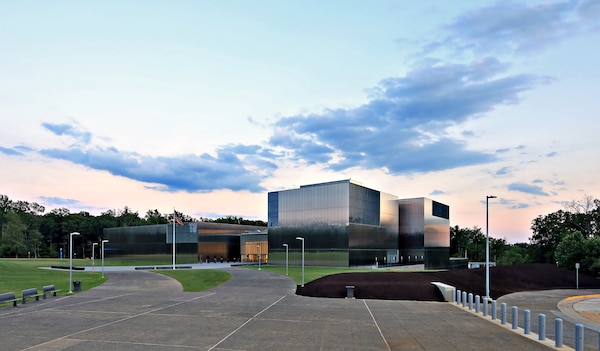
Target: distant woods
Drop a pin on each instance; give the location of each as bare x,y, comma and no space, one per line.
27,231
565,237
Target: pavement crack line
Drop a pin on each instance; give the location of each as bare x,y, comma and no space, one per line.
246,322
377,325
117,321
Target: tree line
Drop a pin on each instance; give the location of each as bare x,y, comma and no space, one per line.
27,231
565,237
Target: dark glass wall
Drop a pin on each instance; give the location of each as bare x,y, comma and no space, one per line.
411,233
342,223
273,209
364,205
148,242
424,232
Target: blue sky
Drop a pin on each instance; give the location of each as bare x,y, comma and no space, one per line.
208,105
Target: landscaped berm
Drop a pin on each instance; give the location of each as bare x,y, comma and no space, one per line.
417,285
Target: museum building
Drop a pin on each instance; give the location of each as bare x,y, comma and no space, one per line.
344,223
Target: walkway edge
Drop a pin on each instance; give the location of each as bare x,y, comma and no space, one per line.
531,336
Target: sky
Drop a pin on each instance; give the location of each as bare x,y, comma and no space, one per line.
206,106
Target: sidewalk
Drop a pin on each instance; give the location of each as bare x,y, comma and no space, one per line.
255,310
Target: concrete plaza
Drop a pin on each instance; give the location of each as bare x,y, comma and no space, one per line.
255,310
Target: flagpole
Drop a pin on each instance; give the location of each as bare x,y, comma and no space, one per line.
174,239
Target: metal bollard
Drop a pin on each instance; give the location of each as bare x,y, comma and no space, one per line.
503,313
579,337
527,322
458,294
541,326
477,303
558,332
494,312
453,295
515,317
464,298
485,306
470,301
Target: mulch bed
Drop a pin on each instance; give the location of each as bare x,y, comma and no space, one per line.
417,286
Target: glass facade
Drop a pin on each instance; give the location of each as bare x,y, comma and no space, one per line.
343,224
346,224
195,242
150,242
424,235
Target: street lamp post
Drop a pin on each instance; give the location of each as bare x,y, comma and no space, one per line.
487,247
258,248
302,239
103,242
93,254
71,261
286,258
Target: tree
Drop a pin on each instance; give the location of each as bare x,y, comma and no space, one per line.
585,215
155,217
467,242
548,232
514,254
571,249
12,242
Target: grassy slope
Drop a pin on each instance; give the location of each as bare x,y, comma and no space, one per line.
17,275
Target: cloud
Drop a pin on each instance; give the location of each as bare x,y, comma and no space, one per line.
508,26
527,188
552,154
10,151
58,201
437,192
69,130
503,171
403,127
234,167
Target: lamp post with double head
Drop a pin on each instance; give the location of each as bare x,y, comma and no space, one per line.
71,260
103,242
286,258
487,247
302,239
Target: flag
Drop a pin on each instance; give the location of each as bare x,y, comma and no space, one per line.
178,220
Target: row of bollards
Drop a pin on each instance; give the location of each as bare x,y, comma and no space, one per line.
473,302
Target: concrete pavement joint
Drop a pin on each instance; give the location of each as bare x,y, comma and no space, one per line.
377,325
117,321
246,322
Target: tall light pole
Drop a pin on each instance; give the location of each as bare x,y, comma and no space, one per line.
93,254
71,261
487,247
302,239
286,258
258,249
103,242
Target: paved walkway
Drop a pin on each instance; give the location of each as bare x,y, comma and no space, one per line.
255,310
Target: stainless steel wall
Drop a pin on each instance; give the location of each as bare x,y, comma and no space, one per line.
342,223
424,235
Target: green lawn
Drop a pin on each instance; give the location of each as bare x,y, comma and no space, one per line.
20,274
196,280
